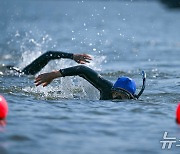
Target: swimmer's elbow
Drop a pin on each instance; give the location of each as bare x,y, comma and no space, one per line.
82,69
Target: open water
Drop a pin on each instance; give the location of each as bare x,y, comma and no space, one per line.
67,117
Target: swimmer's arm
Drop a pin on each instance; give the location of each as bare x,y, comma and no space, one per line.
42,60
85,72
46,78
79,58
88,74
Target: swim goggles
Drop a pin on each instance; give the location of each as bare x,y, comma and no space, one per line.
124,94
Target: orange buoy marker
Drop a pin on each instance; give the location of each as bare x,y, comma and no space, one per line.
3,108
178,114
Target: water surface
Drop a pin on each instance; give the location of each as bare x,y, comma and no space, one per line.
67,116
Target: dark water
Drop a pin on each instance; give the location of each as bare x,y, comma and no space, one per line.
67,117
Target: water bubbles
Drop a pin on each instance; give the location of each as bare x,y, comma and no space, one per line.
31,40
34,42
46,37
72,31
90,44
94,49
104,8
73,38
17,34
84,24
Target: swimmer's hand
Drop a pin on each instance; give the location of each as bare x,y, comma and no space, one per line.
46,78
82,58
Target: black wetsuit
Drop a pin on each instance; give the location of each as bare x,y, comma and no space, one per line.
103,85
42,61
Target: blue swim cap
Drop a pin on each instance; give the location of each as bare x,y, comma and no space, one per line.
126,83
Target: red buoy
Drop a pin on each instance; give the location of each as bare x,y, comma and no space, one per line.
3,108
178,114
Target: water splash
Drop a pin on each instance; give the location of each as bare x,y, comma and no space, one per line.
68,87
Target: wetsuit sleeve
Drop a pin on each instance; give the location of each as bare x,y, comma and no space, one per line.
41,61
90,75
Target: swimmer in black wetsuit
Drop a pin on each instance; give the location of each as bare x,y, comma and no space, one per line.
124,87
42,61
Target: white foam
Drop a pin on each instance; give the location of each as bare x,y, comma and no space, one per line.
68,87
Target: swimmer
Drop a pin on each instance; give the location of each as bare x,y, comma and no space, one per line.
124,87
42,61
